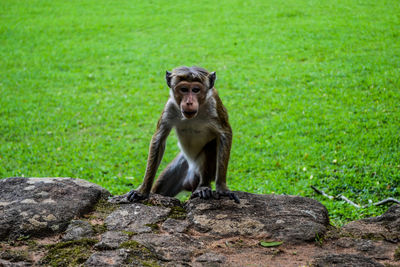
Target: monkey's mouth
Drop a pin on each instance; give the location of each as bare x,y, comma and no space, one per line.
189,114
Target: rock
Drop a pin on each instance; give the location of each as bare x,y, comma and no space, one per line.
137,217
178,247
379,250
175,226
5,263
211,258
78,229
161,232
153,200
178,264
122,199
10,258
159,200
43,206
384,227
289,218
345,260
108,258
112,240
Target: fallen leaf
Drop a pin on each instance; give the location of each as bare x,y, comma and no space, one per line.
270,244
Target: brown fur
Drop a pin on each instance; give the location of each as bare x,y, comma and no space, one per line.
201,122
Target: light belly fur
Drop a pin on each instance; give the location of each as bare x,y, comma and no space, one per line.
192,140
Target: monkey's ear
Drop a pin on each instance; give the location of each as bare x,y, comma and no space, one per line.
211,78
168,78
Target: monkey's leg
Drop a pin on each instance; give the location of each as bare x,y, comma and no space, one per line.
170,181
223,151
207,171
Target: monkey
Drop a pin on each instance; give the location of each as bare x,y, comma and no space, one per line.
196,113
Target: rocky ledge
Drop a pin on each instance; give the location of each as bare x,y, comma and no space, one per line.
71,222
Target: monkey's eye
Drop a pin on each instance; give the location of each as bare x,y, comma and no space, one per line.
196,90
184,90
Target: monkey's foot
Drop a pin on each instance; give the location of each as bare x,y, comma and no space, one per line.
229,194
202,192
135,196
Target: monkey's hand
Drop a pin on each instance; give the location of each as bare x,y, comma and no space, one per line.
227,193
135,196
202,192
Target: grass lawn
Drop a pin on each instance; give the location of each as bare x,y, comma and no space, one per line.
312,90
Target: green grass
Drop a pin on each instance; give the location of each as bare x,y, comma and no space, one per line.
312,89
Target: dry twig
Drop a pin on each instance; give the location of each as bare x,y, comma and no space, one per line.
340,196
388,200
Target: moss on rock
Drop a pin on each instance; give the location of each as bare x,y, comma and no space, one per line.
133,245
177,213
154,227
104,208
397,254
70,253
129,233
139,253
15,255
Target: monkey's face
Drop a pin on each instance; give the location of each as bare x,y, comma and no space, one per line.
190,96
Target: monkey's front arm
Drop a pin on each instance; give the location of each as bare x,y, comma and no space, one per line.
156,152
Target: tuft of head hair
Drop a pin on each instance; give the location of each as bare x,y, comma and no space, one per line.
191,74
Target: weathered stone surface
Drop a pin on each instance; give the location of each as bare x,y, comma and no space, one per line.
211,258
43,206
175,226
289,218
5,263
374,249
112,240
161,232
178,247
136,218
345,260
379,250
78,229
154,199
9,258
385,226
159,200
121,199
108,258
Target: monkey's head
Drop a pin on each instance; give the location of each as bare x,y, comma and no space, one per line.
189,87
